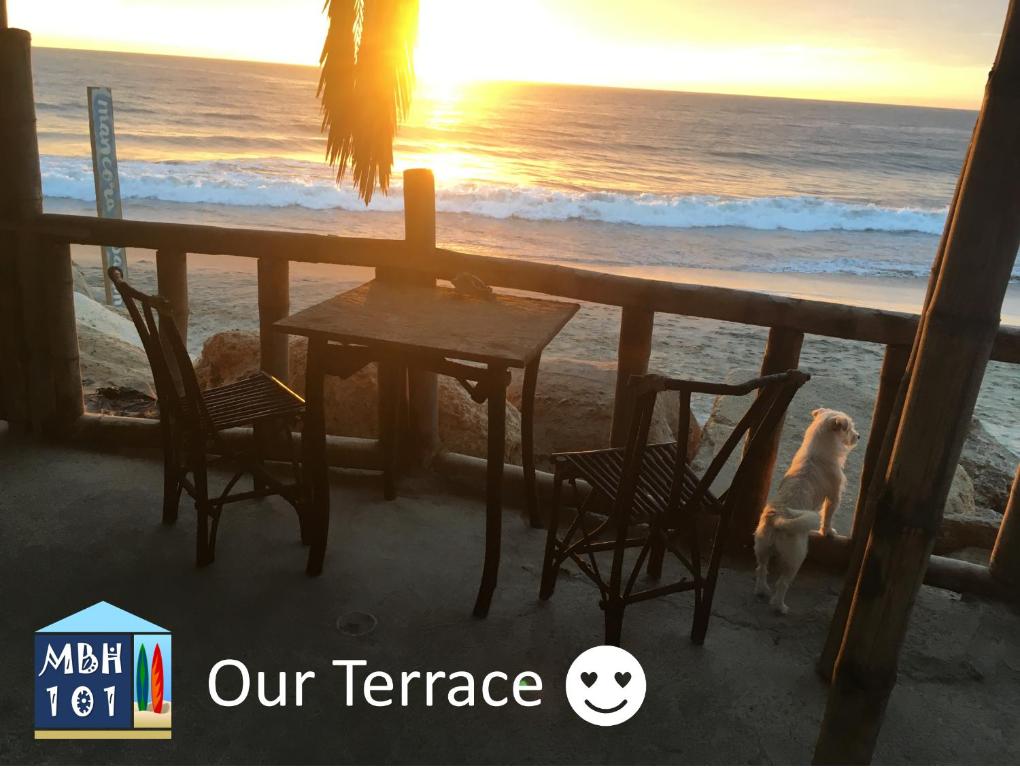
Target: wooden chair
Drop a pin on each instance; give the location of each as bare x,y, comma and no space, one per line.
192,422
655,485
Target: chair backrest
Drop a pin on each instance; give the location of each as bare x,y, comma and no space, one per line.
774,395
173,373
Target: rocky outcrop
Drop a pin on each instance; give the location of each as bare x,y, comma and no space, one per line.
350,404
991,465
964,523
574,408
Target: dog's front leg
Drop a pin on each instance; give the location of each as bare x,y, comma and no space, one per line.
829,507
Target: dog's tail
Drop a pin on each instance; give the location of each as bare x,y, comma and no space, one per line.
801,522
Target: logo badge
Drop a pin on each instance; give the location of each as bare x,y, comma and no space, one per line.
103,673
605,685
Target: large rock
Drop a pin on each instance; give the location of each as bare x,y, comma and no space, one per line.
991,465
964,523
109,362
80,282
574,408
350,404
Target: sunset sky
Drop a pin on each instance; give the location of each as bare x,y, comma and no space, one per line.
901,51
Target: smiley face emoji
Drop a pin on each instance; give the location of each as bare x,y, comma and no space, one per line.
605,685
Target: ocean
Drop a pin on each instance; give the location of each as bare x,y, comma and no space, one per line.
622,180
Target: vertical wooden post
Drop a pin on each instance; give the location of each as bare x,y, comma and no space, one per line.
782,353
884,418
894,366
1005,562
955,339
423,396
274,304
40,380
635,347
172,285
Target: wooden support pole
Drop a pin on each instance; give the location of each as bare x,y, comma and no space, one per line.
885,418
274,304
635,347
422,441
782,353
40,380
894,366
957,332
172,285
1005,561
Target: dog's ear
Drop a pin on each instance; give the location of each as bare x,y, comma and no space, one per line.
815,412
839,424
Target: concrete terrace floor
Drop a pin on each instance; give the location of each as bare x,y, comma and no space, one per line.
78,527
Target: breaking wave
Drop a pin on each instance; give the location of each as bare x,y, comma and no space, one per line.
283,183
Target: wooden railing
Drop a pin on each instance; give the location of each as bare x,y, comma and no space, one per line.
788,319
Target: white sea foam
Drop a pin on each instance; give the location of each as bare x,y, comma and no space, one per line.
281,183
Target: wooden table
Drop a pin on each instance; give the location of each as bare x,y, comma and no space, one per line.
475,339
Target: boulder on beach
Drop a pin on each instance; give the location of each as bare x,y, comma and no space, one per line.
109,351
351,404
964,523
991,465
574,408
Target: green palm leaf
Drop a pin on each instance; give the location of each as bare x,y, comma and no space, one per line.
365,83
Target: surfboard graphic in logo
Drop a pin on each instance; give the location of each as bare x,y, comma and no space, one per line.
142,680
157,681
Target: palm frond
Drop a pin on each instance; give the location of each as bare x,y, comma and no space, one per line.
365,84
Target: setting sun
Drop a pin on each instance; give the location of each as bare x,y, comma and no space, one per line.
789,49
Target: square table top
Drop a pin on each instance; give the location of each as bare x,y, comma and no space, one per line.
493,329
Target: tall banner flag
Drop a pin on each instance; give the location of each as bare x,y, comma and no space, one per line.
104,169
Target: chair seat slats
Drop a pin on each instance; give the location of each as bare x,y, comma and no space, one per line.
603,470
249,400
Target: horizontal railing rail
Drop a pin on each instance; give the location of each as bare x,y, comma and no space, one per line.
807,316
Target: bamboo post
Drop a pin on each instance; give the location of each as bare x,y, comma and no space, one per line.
956,335
172,285
782,353
274,304
633,351
894,366
885,419
40,380
1005,561
423,395
864,516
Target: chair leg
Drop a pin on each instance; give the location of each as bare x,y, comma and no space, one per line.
550,569
656,551
203,555
614,621
260,440
702,611
703,607
171,478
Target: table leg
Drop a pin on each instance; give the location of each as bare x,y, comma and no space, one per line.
390,376
528,440
496,382
313,454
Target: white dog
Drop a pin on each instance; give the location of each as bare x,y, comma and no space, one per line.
813,483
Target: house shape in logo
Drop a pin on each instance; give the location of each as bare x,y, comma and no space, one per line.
103,673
